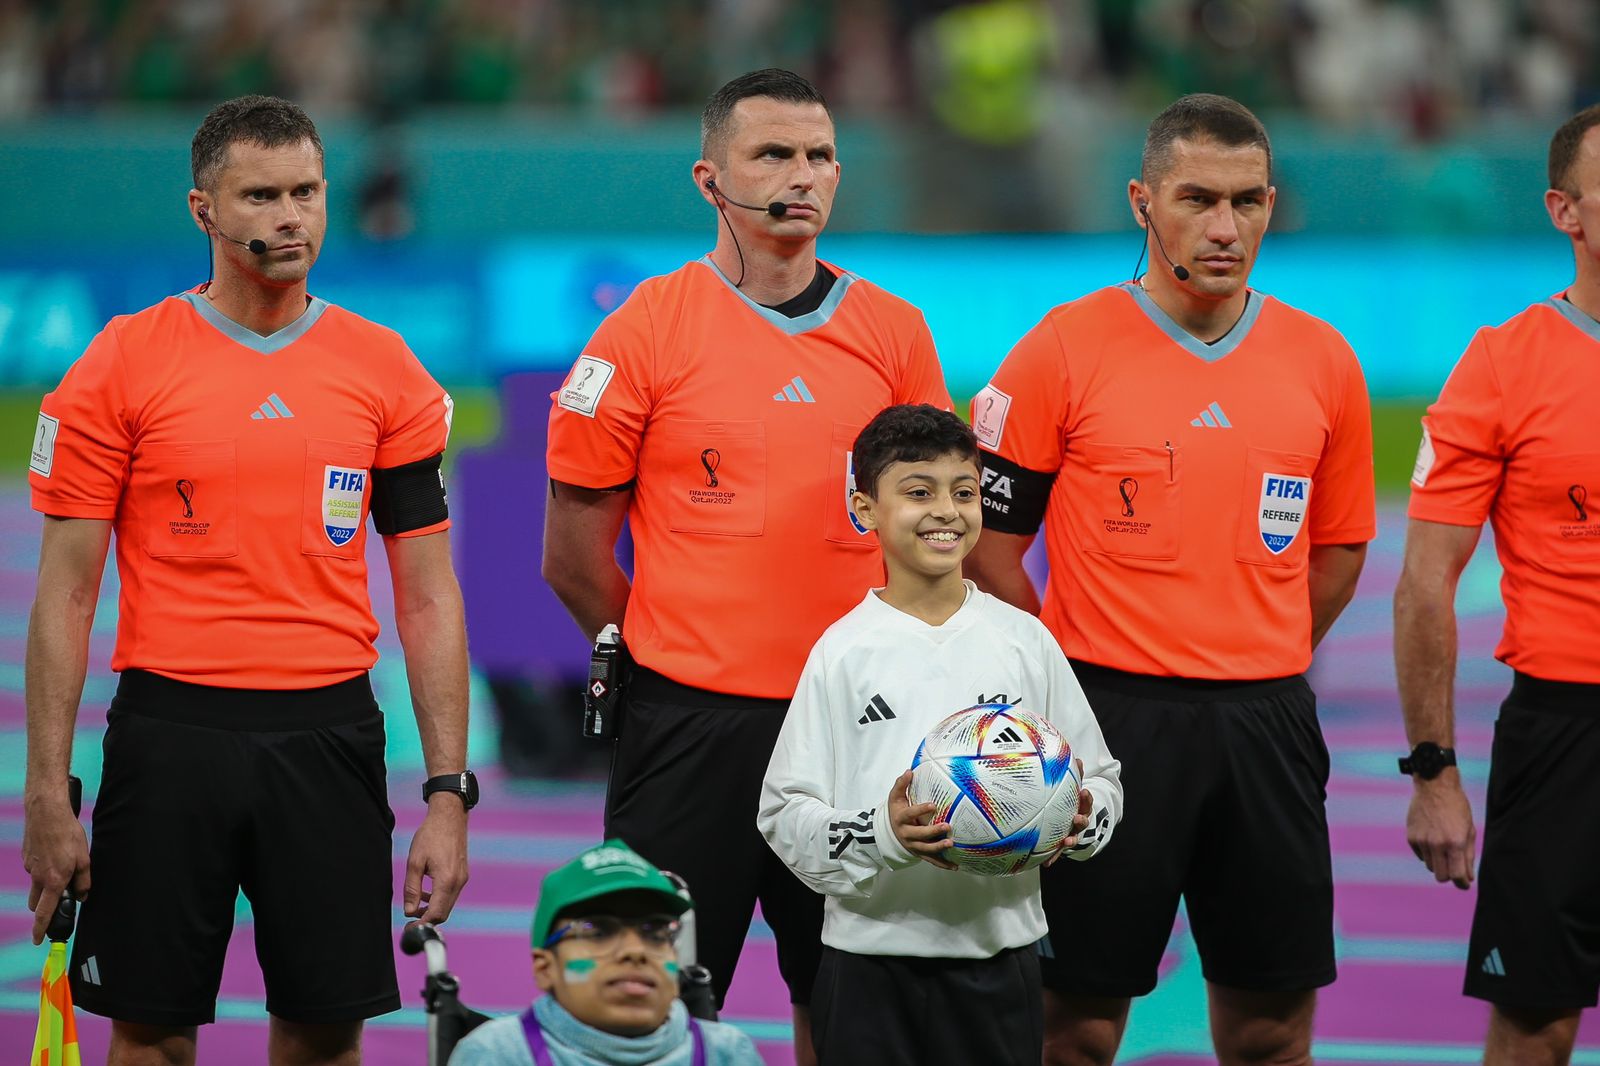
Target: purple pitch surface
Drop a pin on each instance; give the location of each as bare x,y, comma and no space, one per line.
1402,938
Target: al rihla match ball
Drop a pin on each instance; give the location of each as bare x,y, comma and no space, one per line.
1004,780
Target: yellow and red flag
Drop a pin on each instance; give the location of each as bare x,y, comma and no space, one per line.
55,1043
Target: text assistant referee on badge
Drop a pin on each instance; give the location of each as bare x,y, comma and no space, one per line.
235,437
716,410
1200,458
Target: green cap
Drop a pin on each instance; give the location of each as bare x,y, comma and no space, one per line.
600,871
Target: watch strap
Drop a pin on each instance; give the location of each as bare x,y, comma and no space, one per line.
463,784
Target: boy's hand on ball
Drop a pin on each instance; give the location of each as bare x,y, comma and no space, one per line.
914,828
1080,821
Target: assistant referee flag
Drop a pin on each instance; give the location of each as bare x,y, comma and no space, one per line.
55,1042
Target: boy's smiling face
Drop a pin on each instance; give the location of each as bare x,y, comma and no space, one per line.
927,515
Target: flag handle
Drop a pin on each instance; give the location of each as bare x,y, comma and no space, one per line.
66,915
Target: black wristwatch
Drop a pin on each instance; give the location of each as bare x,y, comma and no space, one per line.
464,784
1427,760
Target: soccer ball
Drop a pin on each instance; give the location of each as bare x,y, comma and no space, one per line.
1004,780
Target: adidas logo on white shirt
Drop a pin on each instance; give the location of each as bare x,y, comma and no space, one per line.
1212,417
273,408
877,711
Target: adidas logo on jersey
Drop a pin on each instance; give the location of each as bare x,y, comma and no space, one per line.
1492,964
794,392
842,834
1092,832
273,408
877,711
1212,417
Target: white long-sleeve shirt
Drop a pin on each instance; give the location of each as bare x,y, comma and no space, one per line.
875,684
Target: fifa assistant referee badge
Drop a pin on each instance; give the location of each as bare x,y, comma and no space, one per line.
1427,760
464,784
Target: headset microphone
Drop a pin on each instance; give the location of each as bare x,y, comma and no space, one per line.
777,208
257,246
1179,272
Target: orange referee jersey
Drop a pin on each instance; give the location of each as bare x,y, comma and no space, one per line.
1511,439
1186,482
735,425
236,469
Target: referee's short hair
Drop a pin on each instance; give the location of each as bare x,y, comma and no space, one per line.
1565,144
773,83
267,121
909,433
1200,117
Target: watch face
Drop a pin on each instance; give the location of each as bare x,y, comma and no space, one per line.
1428,760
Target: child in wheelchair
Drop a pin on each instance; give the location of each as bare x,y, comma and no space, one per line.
605,955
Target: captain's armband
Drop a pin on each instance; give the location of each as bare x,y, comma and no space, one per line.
1014,497
409,497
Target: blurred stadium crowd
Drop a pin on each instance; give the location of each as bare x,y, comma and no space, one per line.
987,70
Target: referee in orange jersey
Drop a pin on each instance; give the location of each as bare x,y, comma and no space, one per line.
1199,456
1511,439
236,437
715,410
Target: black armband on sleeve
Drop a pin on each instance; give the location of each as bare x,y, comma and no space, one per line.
1014,497
409,497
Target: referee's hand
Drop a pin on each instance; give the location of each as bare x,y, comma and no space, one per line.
438,853
911,825
1439,828
55,852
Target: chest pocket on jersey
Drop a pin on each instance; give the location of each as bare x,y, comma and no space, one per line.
1560,497
187,496
838,524
716,476
336,494
1128,505
1275,508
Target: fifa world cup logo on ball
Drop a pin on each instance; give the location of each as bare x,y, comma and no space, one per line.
711,459
186,494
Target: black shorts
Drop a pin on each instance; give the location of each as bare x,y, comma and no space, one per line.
685,787
1226,783
1536,927
885,1010
207,791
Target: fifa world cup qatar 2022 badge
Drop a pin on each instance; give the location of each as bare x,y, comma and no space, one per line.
1282,510
187,525
1576,513
714,492
342,490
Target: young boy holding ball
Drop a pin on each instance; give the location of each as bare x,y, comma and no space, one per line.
920,963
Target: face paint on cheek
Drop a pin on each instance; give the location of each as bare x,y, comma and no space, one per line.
671,968
578,971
